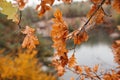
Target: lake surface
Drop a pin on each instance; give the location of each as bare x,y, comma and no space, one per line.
90,55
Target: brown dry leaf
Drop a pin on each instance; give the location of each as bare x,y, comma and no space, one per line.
87,69
116,5
78,39
61,70
116,51
67,1
108,2
82,77
98,17
64,60
58,66
21,3
30,41
58,33
72,61
107,77
78,69
92,10
44,6
96,1
95,68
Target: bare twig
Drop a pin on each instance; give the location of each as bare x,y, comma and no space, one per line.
98,76
106,12
20,18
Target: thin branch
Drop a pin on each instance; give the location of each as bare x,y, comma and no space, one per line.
78,77
20,18
98,76
72,70
106,12
74,48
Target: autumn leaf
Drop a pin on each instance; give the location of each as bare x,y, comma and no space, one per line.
116,5
21,3
95,68
58,33
30,41
78,69
67,1
87,69
44,6
72,61
96,1
79,38
116,51
61,70
8,9
99,15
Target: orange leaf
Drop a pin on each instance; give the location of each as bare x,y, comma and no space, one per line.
87,69
30,41
21,3
78,39
72,61
78,69
61,70
67,1
96,1
44,6
116,5
95,68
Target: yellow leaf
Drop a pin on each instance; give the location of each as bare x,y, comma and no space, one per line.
8,9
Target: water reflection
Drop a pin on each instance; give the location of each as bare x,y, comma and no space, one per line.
91,55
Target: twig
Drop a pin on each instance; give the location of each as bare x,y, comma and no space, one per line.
20,18
97,76
74,48
106,12
78,77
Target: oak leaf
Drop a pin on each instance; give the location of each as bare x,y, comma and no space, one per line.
44,6
61,70
95,68
67,1
72,61
21,3
116,5
79,38
30,41
78,69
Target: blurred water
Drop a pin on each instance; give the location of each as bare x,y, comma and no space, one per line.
91,55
